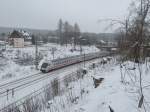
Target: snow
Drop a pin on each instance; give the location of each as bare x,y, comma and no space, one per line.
102,41
108,93
19,62
25,34
39,85
121,97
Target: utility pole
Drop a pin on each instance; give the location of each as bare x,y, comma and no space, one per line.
80,49
83,40
84,59
5,43
73,43
36,53
80,45
53,52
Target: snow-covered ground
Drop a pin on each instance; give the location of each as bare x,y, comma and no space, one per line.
120,89
19,62
33,87
111,93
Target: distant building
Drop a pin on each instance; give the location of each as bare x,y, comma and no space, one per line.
102,43
27,38
2,45
53,39
16,39
19,39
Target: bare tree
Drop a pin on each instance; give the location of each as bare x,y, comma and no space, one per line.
136,35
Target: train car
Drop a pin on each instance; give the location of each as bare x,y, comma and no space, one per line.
59,63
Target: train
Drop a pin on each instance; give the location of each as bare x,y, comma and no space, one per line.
48,66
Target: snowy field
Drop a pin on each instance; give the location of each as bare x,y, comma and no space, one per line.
19,62
120,90
112,93
25,91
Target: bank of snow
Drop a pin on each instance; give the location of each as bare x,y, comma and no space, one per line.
111,93
121,97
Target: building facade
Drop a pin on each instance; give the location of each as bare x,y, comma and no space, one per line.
16,39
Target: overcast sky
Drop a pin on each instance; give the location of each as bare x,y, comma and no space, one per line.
44,14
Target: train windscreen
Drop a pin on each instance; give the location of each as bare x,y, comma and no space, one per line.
44,65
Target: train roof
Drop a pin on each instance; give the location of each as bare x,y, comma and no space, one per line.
64,58
55,60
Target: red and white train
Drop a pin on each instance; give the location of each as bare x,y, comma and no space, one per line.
59,63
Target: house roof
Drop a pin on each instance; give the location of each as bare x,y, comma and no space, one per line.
16,34
102,41
20,34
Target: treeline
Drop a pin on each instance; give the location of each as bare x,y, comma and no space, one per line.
65,33
71,34
68,33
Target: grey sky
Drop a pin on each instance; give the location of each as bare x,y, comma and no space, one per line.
44,14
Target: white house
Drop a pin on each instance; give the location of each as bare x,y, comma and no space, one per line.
16,39
19,39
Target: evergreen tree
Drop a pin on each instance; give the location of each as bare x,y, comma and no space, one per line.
33,39
66,33
60,30
76,34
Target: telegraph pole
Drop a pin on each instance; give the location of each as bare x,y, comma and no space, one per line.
84,59
36,53
83,40
80,45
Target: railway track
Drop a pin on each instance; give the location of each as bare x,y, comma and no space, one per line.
5,89
19,84
25,81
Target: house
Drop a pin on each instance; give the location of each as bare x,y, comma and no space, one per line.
19,39
102,42
16,39
27,38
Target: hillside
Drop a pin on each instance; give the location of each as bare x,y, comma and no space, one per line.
33,31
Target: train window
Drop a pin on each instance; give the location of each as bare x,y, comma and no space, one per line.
44,65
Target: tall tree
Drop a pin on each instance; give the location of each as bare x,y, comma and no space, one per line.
76,33
3,36
66,33
60,31
33,39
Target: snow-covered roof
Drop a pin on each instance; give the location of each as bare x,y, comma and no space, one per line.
1,42
102,41
20,34
25,34
114,49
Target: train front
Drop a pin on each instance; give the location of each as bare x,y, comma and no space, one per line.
46,67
